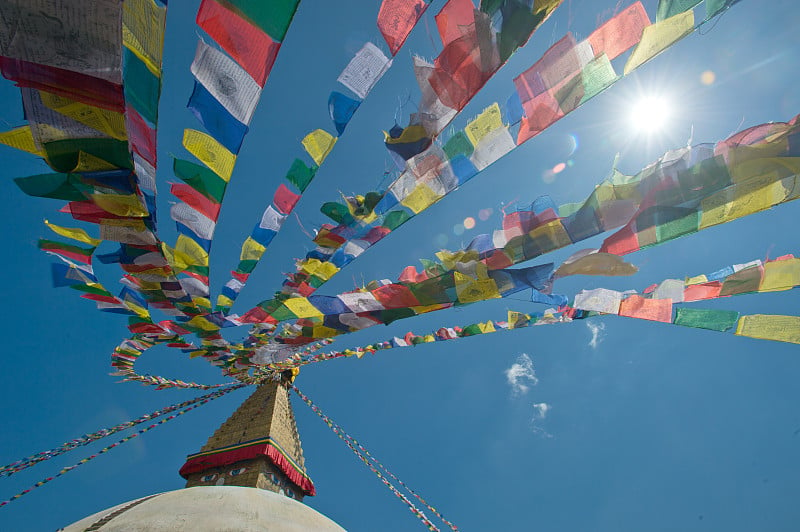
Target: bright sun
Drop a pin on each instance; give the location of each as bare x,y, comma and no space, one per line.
650,114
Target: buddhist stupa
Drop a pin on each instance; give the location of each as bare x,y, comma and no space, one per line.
249,476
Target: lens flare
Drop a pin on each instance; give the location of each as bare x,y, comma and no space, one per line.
650,114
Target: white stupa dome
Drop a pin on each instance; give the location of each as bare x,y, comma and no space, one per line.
209,508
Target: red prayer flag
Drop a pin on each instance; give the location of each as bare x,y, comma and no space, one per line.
285,199
696,292
395,296
621,32
80,87
247,44
454,19
622,242
141,137
646,309
397,18
196,200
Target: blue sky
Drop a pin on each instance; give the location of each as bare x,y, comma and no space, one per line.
656,427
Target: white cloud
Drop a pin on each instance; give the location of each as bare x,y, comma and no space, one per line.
521,374
597,333
540,410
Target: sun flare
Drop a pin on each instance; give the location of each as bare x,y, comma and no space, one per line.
650,114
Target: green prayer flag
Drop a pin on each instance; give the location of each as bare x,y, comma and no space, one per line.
52,245
395,219
92,290
458,144
201,179
142,87
272,16
63,155
714,320
670,8
60,186
518,25
678,227
246,266
301,175
713,7
471,330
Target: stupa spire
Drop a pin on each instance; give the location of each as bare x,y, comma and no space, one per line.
258,446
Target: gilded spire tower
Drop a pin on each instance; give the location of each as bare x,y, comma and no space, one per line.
258,446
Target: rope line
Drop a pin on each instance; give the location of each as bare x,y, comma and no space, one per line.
66,470
24,463
371,462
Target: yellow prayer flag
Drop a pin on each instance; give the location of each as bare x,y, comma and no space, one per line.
188,253
323,270
486,122
487,327
775,167
302,307
143,31
251,250
89,163
202,302
21,138
202,323
424,309
469,290
658,37
698,279
770,327
224,301
326,270
140,311
550,236
742,199
208,150
420,198
128,205
112,123
780,275
449,258
74,233
320,331
319,144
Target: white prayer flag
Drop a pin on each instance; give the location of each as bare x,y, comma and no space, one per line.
229,83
